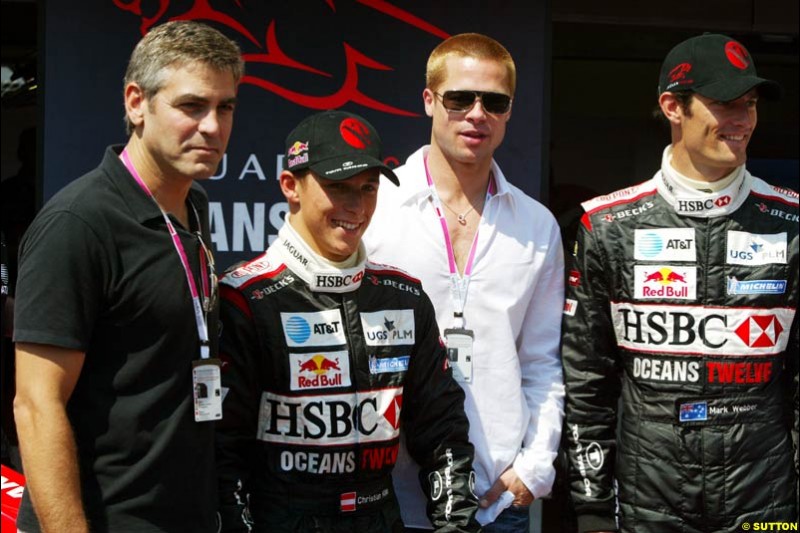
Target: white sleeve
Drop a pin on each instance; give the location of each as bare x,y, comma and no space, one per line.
542,379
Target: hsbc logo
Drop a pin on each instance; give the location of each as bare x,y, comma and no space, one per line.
337,281
697,330
760,331
331,420
687,206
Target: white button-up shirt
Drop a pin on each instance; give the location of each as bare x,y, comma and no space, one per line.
514,304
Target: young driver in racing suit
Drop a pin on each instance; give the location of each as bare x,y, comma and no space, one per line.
682,303
328,357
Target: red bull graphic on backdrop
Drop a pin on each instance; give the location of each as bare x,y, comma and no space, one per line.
322,370
658,281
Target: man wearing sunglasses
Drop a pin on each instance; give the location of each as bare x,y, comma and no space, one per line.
491,259
115,311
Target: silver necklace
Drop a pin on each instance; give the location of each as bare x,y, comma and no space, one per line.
461,217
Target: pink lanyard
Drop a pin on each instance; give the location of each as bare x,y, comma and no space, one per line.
200,319
458,284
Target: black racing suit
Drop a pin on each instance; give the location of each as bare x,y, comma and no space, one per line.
683,304
325,367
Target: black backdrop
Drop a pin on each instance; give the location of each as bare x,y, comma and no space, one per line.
365,56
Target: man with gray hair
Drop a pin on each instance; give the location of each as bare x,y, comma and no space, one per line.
116,309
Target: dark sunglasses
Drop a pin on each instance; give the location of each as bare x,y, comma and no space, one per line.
464,101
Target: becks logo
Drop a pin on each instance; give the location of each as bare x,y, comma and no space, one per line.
697,330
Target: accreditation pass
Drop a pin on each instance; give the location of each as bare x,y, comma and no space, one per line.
207,390
459,343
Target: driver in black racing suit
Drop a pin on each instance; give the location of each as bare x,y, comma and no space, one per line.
328,358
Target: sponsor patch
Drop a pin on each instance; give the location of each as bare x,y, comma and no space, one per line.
779,213
384,365
297,148
594,456
320,462
697,330
665,244
323,328
337,280
700,206
754,249
693,411
628,213
746,373
330,420
398,285
667,370
319,370
260,294
389,328
574,278
437,486
756,286
660,282
379,457
570,306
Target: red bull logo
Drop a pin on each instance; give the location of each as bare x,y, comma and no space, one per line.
665,282
321,370
297,148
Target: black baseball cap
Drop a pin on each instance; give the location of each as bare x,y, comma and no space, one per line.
336,145
715,66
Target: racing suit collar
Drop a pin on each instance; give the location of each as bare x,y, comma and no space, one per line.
688,201
320,274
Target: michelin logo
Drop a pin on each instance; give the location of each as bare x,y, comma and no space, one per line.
385,365
756,286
